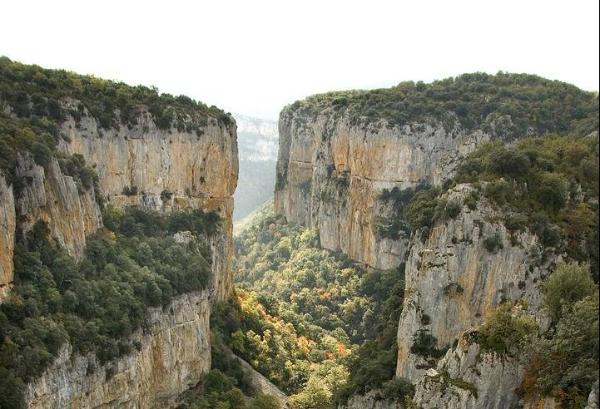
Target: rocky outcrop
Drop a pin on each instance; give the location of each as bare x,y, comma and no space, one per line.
173,355
454,282
70,212
468,378
46,193
594,398
8,224
331,172
165,170
371,400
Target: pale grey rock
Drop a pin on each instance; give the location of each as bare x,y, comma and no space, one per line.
48,195
593,399
467,378
453,283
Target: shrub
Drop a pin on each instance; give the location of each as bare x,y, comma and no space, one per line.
452,209
566,365
398,389
130,190
504,332
568,284
425,345
493,243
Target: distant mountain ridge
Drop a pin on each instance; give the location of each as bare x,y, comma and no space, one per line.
258,139
258,143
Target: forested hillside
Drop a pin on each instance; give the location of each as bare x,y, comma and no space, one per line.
312,321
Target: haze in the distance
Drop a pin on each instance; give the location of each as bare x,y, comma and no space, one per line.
254,57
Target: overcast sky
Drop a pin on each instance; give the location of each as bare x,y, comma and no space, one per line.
254,57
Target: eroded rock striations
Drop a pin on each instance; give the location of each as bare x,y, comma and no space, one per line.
47,194
331,172
7,235
174,353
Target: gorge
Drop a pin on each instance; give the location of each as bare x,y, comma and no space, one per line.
428,246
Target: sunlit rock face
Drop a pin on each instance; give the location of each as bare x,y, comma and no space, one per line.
166,170
70,212
454,283
7,236
173,355
331,172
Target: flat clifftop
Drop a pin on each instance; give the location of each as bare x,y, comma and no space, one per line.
33,90
534,104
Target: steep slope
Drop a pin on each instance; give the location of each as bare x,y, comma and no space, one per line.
120,314
257,141
339,151
359,166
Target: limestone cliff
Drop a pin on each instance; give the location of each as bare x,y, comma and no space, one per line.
371,400
174,353
468,378
47,194
165,170
7,235
332,171
453,282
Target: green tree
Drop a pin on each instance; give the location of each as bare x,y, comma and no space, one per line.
568,284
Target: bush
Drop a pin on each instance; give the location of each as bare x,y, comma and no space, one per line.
425,345
568,284
398,389
566,365
493,243
452,209
505,332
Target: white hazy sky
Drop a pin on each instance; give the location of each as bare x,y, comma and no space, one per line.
254,57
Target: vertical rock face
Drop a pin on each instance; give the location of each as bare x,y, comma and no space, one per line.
331,172
453,282
53,197
7,235
467,378
49,195
174,353
166,170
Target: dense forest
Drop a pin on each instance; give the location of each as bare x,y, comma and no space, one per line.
97,303
315,323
